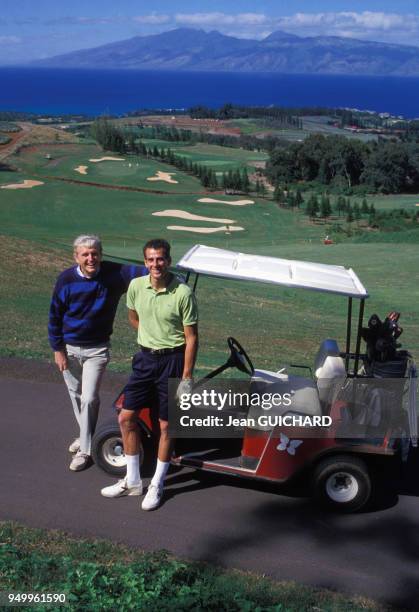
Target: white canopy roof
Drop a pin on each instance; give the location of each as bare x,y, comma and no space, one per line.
287,272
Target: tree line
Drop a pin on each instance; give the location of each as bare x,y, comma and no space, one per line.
385,166
235,181
321,206
287,115
108,136
241,141
232,111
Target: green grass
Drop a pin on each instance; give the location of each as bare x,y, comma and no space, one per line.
408,201
277,326
96,575
311,125
65,158
221,158
319,125
163,144
55,211
388,202
132,171
247,126
255,127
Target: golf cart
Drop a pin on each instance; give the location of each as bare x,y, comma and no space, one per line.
367,399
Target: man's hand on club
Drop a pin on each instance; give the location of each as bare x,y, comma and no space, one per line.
185,388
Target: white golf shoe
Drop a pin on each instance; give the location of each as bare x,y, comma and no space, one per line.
79,462
153,498
121,488
74,446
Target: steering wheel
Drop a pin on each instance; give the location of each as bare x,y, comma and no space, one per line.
238,357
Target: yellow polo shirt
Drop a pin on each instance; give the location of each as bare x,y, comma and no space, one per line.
162,314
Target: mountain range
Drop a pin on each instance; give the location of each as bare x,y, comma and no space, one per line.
196,50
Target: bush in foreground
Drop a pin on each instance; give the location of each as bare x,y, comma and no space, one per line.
102,576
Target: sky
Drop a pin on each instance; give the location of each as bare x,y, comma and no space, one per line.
32,30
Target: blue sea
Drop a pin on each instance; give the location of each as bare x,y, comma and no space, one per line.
94,92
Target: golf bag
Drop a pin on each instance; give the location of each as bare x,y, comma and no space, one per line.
383,357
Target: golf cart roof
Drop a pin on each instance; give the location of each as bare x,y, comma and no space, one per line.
287,272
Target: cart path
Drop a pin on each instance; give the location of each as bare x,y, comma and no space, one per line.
281,535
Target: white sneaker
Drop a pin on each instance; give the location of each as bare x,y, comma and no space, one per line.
153,498
74,446
121,488
79,462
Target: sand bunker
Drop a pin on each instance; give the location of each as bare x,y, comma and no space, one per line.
163,176
181,214
81,169
101,159
206,230
231,202
25,185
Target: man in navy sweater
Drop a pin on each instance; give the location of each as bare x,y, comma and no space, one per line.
82,312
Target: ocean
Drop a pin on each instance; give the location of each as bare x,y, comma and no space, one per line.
95,92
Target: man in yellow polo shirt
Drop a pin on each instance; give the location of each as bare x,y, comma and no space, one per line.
164,312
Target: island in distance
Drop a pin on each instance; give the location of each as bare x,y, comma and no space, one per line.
196,50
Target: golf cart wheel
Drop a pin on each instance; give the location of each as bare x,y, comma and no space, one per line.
108,450
342,483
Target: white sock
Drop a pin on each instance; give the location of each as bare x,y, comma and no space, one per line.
133,470
160,473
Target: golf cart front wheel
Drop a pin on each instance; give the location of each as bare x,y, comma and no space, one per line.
108,450
342,483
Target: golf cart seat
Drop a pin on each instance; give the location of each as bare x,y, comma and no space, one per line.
302,393
329,370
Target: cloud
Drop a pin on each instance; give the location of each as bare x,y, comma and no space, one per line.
380,21
153,19
367,19
365,25
220,19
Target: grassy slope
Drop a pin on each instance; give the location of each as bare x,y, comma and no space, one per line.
277,326
55,211
66,158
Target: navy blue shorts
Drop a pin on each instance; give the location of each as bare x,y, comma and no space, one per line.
148,384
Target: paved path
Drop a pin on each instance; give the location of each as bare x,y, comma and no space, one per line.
280,535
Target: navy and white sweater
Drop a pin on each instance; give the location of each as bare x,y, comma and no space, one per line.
83,309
